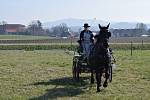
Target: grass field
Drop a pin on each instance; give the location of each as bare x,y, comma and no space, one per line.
22,37
64,46
46,75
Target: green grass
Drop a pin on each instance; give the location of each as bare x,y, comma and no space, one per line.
47,75
22,37
50,46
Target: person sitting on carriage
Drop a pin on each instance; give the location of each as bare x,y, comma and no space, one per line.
86,40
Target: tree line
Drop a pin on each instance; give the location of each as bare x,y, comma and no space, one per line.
139,30
36,28
62,30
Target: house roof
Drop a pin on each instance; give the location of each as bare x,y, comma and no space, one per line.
13,25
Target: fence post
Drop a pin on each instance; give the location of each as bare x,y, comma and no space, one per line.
142,44
131,48
71,40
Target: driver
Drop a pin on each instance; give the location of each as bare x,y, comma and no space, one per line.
86,38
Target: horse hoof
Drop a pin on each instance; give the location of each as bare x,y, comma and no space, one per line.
105,85
98,90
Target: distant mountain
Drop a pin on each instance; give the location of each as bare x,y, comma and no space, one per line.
123,25
76,24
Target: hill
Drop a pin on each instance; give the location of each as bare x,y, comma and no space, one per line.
76,24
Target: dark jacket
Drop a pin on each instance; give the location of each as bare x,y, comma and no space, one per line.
82,36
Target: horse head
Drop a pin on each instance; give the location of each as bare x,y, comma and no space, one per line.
104,28
104,34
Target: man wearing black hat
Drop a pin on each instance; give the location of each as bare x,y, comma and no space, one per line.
86,38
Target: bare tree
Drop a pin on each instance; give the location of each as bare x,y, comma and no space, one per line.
60,30
35,28
3,22
149,31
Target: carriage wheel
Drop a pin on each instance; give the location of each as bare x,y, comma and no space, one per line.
75,69
77,72
110,73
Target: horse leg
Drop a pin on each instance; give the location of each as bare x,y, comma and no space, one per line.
107,77
92,77
98,79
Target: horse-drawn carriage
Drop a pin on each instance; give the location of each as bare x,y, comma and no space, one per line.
100,59
80,64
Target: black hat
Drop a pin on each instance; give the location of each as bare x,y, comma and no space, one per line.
86,25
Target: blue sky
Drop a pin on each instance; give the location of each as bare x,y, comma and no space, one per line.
24,11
